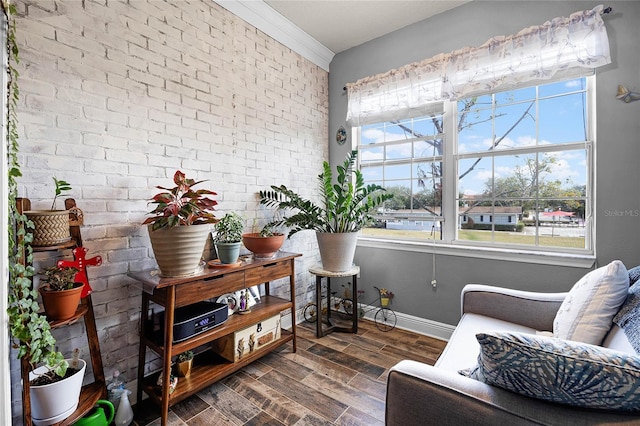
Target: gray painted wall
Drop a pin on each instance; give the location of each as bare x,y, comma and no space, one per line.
618,151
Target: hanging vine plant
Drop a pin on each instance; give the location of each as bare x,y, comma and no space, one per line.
30,330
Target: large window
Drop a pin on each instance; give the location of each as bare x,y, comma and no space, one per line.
505,169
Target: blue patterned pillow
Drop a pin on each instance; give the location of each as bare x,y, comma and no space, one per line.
561,371
634,275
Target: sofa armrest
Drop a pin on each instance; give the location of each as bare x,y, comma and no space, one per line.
419,394
531,309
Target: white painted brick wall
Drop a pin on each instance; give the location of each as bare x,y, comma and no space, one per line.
118,95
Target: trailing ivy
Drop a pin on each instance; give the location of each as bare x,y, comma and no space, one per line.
30,330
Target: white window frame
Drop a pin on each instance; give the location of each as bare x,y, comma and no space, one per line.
450,245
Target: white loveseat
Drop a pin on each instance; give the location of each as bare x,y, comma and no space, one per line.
419,394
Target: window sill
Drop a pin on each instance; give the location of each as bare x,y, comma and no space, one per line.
510,255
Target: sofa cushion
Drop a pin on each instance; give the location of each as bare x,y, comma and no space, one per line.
628,317
558,370
634,275
586,314
462,349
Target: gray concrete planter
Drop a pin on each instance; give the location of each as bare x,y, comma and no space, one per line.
337,250
228,252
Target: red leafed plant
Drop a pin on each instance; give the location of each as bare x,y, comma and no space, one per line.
182,205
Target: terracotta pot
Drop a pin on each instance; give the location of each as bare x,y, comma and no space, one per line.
337,250
178,250
60,305
51,227
262,247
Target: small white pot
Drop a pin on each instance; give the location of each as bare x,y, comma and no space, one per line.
55,402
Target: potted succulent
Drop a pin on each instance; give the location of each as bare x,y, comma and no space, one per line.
228,237
347,207
60,292
178,228
265,243
51,227
183,364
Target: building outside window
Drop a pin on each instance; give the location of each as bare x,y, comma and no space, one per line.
523,159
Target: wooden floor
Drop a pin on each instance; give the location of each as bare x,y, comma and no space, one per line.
338,379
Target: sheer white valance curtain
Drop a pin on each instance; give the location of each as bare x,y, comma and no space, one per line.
562,47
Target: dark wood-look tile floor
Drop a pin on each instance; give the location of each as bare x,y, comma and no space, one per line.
339,379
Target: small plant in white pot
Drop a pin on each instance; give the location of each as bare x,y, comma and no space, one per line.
178,228
54,396
228,237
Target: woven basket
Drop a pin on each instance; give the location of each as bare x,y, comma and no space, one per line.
51,227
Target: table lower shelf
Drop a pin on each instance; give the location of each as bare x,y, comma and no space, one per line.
208,367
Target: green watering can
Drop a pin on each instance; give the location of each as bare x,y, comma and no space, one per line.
97,416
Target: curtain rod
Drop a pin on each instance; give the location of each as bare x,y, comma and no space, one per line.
606,10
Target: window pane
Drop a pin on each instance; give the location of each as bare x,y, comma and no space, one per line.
474,174
428,126
562,119
560,87
511,96
475,130
373,154
399,151
515,126
430,148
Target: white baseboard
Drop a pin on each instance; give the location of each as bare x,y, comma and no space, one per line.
418,325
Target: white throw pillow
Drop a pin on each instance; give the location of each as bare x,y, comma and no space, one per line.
586,315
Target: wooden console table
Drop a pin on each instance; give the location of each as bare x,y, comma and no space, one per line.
208,367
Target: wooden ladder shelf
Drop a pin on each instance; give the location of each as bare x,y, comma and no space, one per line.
92,392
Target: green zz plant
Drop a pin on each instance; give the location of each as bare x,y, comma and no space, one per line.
347,206
30,330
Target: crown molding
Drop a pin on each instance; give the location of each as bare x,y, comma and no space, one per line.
266,19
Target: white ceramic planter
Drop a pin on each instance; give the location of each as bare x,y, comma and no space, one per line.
337,250
55,402
178,250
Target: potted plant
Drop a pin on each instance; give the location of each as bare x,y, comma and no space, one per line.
60,292
30,331
265,243
183,364
178,226
55,397
51,227
228,237
385,297
347,207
